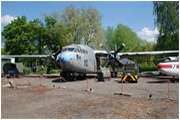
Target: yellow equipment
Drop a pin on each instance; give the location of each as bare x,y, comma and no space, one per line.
129,78
130,73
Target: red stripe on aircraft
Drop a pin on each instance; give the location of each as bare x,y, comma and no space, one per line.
167,66
164,66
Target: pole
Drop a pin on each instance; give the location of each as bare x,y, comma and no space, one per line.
168,89
36,66
87,85
60,83
169,92
41,80
122,87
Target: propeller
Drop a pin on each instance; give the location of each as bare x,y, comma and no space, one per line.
112,55
53,57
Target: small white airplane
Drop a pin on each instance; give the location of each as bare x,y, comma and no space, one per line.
78,60
170,67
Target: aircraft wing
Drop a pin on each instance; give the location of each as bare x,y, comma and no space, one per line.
137,54
26,56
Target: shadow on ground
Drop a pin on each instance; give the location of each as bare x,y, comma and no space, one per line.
70,80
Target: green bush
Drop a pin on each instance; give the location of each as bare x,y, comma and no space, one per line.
41,70
147,68
25,70
54,71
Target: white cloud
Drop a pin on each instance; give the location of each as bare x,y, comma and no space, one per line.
148,35
7,19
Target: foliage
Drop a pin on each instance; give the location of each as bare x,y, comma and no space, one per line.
25,70
121,34
54,71
167,21
79,25
41,70
2,41
3,52
14,35
54,36
24,38
110,37
145,67
143,46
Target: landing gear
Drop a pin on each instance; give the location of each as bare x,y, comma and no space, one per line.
65,74
113,74
75,76
100,76
174,80
82,75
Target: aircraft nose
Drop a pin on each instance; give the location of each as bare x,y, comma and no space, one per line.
65,57
159,66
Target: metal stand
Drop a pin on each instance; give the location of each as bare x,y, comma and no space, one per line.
60,82
168,99
122,87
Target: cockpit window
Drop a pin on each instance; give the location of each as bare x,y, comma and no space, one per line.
65,49
79,50
70,49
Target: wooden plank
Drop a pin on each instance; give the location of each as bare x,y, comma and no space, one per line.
124,94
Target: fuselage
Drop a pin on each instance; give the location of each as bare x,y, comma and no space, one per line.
77,58
169,67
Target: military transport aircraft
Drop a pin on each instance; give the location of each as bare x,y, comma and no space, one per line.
78,60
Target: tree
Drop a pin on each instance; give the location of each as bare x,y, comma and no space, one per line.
3,52
24,38
167,21
54,36
2,41
121,34
19,38
110,38
79,25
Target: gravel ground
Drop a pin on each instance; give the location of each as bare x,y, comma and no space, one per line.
71,101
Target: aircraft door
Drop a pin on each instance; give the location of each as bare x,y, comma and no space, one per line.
78,59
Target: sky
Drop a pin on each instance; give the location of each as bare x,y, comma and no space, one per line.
138,16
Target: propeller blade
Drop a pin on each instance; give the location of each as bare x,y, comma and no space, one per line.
120,64
59,51
119,49
102,46
111,55
107,60
53,57
47,50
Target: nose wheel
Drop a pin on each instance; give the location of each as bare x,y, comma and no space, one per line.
69,76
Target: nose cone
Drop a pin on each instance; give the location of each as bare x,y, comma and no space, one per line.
159,66
66,57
